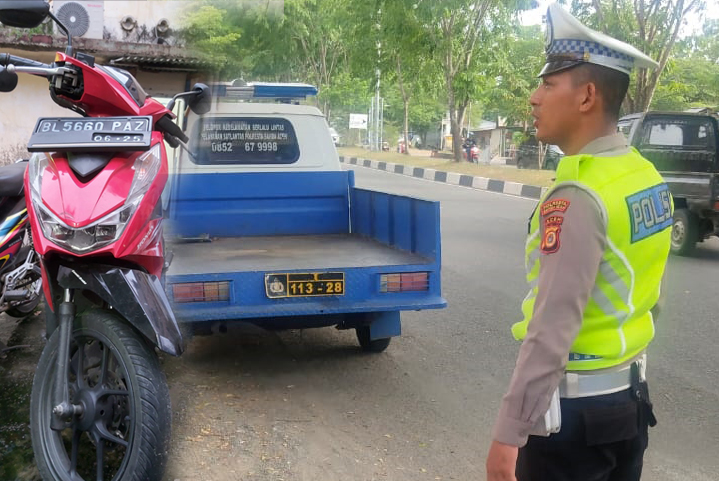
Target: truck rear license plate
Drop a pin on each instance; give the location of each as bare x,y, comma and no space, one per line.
305,285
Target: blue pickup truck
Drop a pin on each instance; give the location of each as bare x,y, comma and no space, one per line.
266,228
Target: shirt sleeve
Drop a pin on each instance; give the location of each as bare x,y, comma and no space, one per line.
573,241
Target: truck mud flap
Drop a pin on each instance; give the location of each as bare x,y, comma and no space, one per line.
384,324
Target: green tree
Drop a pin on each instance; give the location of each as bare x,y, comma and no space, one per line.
468,37
691,76
207,30
307,43
318,27
652,26
518,68
406,58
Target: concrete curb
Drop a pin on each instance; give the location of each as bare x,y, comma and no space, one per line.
453,178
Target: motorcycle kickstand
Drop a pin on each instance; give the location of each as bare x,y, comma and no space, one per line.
64,410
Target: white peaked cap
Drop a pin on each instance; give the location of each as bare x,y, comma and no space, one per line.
568,43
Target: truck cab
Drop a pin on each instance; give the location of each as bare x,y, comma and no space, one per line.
684,148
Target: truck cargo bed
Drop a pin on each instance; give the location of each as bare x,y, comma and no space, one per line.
286,253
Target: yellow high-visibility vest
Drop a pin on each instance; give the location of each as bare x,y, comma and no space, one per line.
637,209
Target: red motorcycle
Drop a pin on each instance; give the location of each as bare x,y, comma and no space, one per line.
474,152
100,405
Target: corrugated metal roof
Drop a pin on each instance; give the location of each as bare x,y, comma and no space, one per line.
161,63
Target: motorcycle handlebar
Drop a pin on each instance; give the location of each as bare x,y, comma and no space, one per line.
6,59
166,124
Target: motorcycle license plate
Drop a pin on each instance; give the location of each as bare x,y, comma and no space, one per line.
91,134
305,285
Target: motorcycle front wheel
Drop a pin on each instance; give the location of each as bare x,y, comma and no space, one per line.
124,430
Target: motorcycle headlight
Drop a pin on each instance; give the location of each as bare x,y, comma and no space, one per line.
105,230
84,239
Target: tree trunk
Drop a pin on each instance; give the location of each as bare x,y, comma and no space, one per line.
456,119
406,127
456,116
405,100
542,154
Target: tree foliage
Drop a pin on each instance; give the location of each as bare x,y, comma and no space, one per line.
652,26
438,57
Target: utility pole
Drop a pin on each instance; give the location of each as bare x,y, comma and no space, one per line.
376,143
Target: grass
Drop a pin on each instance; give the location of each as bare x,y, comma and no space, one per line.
541,178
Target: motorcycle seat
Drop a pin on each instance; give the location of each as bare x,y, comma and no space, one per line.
11,179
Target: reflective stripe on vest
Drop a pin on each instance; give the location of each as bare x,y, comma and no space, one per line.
631,196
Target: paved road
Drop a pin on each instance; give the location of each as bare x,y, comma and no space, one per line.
251,405
483,245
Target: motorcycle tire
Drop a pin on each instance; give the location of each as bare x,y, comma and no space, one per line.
116,376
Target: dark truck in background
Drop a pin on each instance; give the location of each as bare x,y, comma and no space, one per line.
683,147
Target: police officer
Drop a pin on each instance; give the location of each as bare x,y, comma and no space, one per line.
577,407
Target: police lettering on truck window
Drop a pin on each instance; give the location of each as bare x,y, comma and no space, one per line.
245,140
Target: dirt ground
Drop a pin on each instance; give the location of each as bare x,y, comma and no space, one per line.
295,406
258,405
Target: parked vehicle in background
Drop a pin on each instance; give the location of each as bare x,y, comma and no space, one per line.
335,137
683,147
528,155
474,152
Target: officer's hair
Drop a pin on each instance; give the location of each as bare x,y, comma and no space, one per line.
611,84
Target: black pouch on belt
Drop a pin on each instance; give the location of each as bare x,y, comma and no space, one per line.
640,391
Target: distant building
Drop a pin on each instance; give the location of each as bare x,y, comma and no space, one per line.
140,37
493,141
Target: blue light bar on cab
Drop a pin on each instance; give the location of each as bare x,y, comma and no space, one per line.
283,90
265,90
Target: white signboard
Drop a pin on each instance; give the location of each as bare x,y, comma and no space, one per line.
358,121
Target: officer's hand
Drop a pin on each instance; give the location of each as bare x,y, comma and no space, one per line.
501,462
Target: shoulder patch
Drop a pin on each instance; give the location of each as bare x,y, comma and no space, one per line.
550,239
650,211
554,205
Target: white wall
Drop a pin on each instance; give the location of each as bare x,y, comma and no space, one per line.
146,13
20,109
162,84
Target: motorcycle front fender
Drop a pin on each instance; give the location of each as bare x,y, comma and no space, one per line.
135,295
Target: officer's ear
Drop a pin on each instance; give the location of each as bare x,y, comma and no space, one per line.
588,97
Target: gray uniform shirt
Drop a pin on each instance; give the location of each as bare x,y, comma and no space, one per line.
566,278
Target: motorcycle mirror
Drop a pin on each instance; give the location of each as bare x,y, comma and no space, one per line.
8,80
201,102
23,13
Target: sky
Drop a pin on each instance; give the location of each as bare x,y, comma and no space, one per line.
694,22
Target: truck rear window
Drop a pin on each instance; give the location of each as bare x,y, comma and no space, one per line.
686,133
244,140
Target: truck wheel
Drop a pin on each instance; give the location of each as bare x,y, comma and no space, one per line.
378,345
684,232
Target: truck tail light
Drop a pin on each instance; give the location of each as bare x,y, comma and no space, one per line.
201,292
404,282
